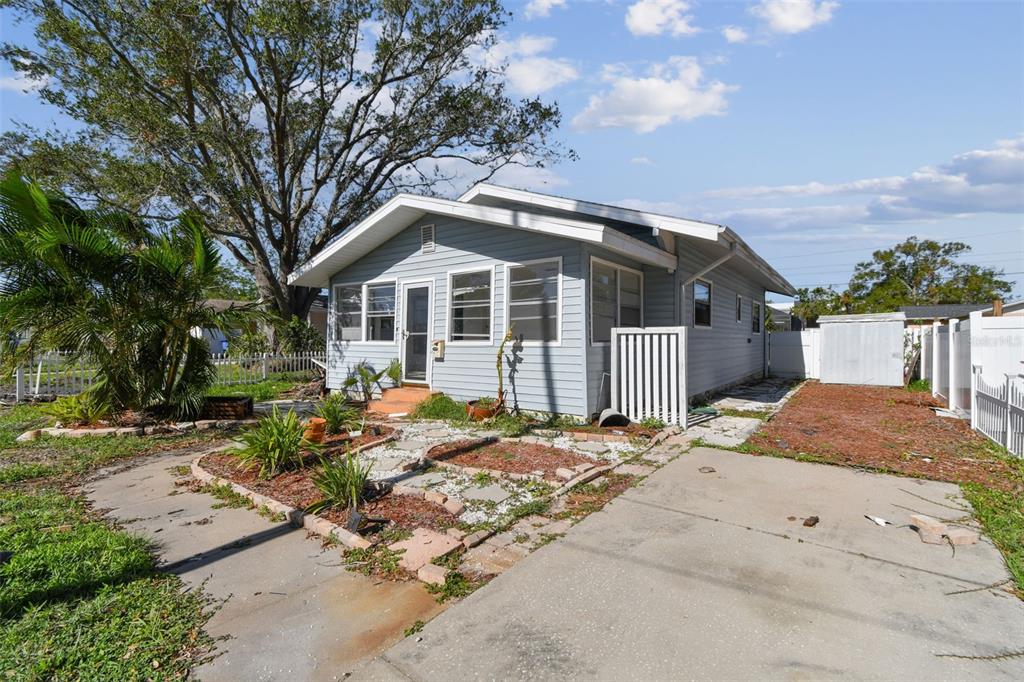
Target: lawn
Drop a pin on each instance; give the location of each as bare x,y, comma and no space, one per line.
78,597
894,431
269,389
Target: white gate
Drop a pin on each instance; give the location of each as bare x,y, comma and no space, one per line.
998,411
795,354
649,373
862,349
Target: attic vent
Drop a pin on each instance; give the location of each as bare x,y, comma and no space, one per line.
427,239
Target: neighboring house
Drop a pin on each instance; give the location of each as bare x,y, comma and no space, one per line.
924,315
783,320
435,283
219,341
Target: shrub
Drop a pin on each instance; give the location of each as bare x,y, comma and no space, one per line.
299,336
440,407
920,386
652,423
341,483
511,425
275,444
339,415
84,408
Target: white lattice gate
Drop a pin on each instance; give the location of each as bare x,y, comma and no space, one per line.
649,373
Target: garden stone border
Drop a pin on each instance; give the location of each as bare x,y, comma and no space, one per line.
151,430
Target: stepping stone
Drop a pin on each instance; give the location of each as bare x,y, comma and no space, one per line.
724,440
425,480
388,463
592,446
436,433
635,470
489,493
423,547
489,560
411,445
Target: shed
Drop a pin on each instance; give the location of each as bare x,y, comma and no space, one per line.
862,349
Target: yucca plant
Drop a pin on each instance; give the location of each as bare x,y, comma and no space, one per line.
342,483
275,444
339,415
84,408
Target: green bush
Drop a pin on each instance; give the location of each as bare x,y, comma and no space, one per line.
339,415
275,444
342,483
84,408
441,407
920,386
652,423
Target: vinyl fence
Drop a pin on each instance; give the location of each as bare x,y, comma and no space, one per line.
977,366
649,373
56,374
795,354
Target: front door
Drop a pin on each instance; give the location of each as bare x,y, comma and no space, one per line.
416,333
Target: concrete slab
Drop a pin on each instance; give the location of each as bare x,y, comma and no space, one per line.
424,546
425,480
411,445
487,493
290,610
703,576
388,463
592,447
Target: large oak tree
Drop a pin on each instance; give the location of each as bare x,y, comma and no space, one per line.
280,122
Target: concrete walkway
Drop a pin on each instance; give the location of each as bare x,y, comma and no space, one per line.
289,611
702,575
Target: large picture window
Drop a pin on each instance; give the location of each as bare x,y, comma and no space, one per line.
348,313
701,303
380,312
470,305
616,299
533,300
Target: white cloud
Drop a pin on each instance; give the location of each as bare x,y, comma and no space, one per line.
655,17
735,34
641,161
671,91
527,71
542,8
21,83
464,175
794,16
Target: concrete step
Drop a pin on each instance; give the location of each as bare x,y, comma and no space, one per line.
392,406
405,394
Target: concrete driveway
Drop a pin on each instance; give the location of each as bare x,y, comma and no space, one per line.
287,610
703,576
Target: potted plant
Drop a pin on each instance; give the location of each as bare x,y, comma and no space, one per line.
487,407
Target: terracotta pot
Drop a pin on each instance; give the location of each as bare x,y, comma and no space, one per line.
477,413
316,427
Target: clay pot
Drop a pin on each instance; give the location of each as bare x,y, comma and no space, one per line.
316,427
478,413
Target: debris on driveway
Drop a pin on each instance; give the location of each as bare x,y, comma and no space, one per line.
811,521
878,520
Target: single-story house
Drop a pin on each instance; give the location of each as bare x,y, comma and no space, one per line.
435,283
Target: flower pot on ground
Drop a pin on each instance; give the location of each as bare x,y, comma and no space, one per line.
316,427
484,408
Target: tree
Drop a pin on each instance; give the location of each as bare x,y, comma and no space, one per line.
812,303
922,272
114,291
279,123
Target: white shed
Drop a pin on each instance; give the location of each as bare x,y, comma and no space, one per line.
862,349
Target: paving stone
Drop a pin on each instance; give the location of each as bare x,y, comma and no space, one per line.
490,493
547,433
425,480
927,523
489,560
130,431
564,474
457,533
423,547
501,540
961,536
723,440
580,468
411,445
684,438
594,447
437,433
432,574
435,497
454,507
387,463
635,470
474,539
488,434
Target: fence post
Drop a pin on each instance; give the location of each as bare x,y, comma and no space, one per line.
265,367
974,396
1009,413
684,394
951,347
615,369
935,357
19,384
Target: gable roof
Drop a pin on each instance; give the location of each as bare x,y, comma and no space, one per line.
405,209
943,311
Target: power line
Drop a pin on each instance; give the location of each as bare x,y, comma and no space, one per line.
844,268
842,284
863,248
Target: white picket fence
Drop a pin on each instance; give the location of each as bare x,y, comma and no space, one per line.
57,374
649,373
976,365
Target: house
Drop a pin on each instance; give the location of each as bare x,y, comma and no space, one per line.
436,282
783,320
924,315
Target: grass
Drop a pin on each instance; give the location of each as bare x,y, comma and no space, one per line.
455,586
920,386
80,599
441,407
270,389
763,415
1001,514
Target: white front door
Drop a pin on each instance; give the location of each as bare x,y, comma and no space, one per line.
417,303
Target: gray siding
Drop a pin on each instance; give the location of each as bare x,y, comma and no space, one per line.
548,377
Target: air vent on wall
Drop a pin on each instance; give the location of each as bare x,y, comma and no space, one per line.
427,239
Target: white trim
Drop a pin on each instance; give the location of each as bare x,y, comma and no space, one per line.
711,305
618,297
332,314
366,309
759,317
558,307
448,307
404,209
400,330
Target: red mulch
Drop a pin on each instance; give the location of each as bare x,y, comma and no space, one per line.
336,444
294,488
515,458
590,499
405,511
883,428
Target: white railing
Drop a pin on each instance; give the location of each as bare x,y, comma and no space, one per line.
998,411
57,374
649,373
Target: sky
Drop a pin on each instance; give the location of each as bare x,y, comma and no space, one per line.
818,130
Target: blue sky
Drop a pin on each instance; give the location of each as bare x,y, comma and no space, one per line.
818,130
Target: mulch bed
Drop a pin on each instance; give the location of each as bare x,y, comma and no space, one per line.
405,511
514,458
883,428
336,444
294,488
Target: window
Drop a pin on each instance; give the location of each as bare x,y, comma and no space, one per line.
533,299
701,303
380,312
348,311
470,305
739,308
755,317
616,299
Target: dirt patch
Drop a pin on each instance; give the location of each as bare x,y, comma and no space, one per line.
587,499
631,431
514,458
889,429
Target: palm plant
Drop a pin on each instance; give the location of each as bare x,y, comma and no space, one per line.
339,415
342,484
106,287
275,444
